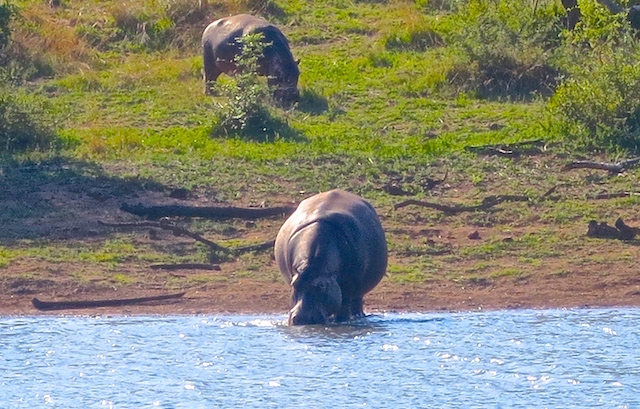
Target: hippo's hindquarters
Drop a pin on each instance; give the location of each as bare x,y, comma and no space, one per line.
332,251
223,44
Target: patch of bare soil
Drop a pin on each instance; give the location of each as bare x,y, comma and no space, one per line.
61,204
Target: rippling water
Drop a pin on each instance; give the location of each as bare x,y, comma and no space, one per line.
507,359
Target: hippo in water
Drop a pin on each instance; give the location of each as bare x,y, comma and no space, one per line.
332,251
221,44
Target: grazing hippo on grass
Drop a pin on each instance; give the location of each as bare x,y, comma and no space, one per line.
332,251
221,44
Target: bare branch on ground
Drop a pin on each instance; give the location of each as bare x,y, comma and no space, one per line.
613,195
68,305
535,146
185,266
209,212
613,168
487,203
180,231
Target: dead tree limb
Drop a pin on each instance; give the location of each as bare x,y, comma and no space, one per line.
209,212
68,305
176,230
179,231
510,149
613,168
255,247
487,203
614,195
548,193
185,266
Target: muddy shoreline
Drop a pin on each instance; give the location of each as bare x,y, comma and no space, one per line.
251,297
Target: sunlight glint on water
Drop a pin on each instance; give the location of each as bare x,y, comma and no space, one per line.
510,359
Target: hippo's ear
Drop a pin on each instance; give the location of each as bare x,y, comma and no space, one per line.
294,279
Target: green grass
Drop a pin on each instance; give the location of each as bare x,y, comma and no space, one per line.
378,103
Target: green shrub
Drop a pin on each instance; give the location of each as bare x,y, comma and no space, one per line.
21,128
510,46
7,11
599,104
247,107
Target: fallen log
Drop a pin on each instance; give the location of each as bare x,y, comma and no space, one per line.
614,195
176,230
209,212
69,305
487,203
186,266
613,168
535,146
180,231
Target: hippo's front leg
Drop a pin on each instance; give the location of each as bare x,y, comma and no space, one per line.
351,308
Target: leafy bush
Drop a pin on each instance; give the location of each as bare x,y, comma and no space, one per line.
510,46
20,126
247,108
18,129
599,104
6,13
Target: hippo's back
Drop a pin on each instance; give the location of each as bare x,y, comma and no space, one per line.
227,29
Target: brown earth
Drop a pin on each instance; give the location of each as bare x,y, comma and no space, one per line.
580,272
253,296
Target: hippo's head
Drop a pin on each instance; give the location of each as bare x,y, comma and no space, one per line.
316,293
284,81
315,300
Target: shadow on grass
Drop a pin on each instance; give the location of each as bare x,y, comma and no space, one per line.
260,127
312,103
61,198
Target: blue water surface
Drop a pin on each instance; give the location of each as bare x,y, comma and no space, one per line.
583,358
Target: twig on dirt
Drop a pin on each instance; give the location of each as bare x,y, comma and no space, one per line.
176,230
621,231
512,149
185,266
613,168
67,305
487,203
551,191
210,212
179,231
613,195
255,247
